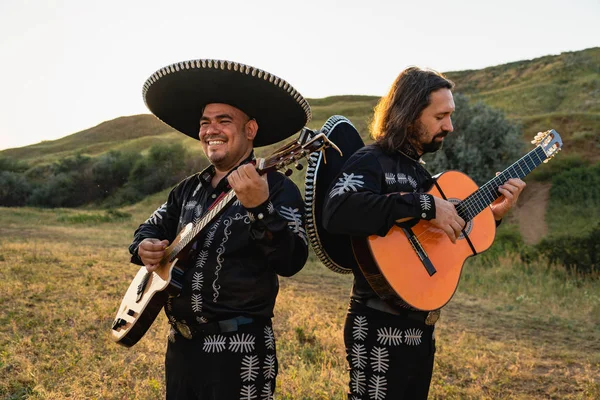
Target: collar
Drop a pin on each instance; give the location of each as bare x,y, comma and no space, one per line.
408,150
209,172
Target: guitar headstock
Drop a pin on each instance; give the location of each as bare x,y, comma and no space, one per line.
549,141
308,142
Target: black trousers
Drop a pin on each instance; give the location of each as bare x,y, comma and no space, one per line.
222,366
389,357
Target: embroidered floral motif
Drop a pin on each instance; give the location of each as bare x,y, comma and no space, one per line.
156,215
347,183
221,249
269,367
248,392
380,361
425,202
377,387
269,338
250,368
270,208
389,336
360,329
197,302
214,344
241,343
358,381
412,181
412,336
359,355
295,221
267,392
197,280
402,178
390,178
202,257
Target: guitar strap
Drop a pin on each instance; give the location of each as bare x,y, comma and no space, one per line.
439,188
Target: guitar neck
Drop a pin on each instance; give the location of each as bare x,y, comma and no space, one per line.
486,194
188,235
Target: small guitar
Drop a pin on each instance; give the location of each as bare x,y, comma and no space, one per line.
149,291
419,264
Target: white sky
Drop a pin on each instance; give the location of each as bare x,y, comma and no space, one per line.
67,65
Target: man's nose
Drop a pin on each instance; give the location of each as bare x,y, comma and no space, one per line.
448,126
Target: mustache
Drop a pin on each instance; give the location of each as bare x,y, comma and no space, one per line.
442,134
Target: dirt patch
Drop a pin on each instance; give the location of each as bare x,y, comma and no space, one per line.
530,212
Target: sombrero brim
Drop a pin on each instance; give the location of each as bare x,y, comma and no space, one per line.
177,94
334,251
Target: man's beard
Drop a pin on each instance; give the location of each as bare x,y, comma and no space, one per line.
418,134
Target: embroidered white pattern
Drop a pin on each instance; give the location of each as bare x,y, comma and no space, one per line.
190,205
269,338
346,183
359,355
412,181
357,381
269,367
171,335
377,387
197,302
402,178
389,336
360,328
380,361
214,344
202,257
241,343
196,190
210,235
249,368
425,202
295,221
270,208
157,214
248,392
267,392
390,178
413,336
197,280
221,249
236,203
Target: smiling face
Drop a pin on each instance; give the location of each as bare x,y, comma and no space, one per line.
226,134
434,123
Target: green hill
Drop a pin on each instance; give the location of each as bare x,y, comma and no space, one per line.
560,92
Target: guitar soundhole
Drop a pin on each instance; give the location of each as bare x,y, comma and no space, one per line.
469,226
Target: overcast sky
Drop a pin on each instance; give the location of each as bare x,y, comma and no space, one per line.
68,65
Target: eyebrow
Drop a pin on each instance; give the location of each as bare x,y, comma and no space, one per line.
220,116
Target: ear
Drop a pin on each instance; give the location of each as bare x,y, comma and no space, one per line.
251,129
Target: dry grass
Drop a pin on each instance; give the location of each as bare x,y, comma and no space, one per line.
511,332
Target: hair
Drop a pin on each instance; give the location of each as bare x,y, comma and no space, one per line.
398,111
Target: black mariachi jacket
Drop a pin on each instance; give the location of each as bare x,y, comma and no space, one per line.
235,260
365,199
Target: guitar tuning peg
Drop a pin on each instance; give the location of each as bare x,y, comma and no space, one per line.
299,166
288,172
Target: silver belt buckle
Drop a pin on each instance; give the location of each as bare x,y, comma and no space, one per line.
432,317
184,330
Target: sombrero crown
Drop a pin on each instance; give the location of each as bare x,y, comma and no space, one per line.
178,93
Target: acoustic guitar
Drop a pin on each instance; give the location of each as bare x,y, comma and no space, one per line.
419,264
149,291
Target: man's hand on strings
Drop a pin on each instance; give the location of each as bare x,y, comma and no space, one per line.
250,188
509,192
151,251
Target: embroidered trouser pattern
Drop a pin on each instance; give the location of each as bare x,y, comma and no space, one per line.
232,365
389,357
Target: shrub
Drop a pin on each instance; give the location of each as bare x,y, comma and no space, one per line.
14,189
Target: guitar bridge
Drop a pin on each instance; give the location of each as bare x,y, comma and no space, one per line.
142,286
421,253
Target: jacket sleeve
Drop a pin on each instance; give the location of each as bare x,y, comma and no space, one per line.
277,226
162,224
358,205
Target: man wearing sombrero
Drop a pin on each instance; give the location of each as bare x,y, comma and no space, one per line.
221,345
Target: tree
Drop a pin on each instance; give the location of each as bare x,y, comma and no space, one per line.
483,142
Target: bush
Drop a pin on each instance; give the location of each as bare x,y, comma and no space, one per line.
14,189
581,254
111,171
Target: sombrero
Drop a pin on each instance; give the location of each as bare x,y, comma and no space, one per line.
177,94
334,251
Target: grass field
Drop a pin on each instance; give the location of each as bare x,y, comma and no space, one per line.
512,331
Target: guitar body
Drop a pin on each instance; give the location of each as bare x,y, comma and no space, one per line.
137,313
393,267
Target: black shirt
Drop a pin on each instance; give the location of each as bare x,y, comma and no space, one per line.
233,265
